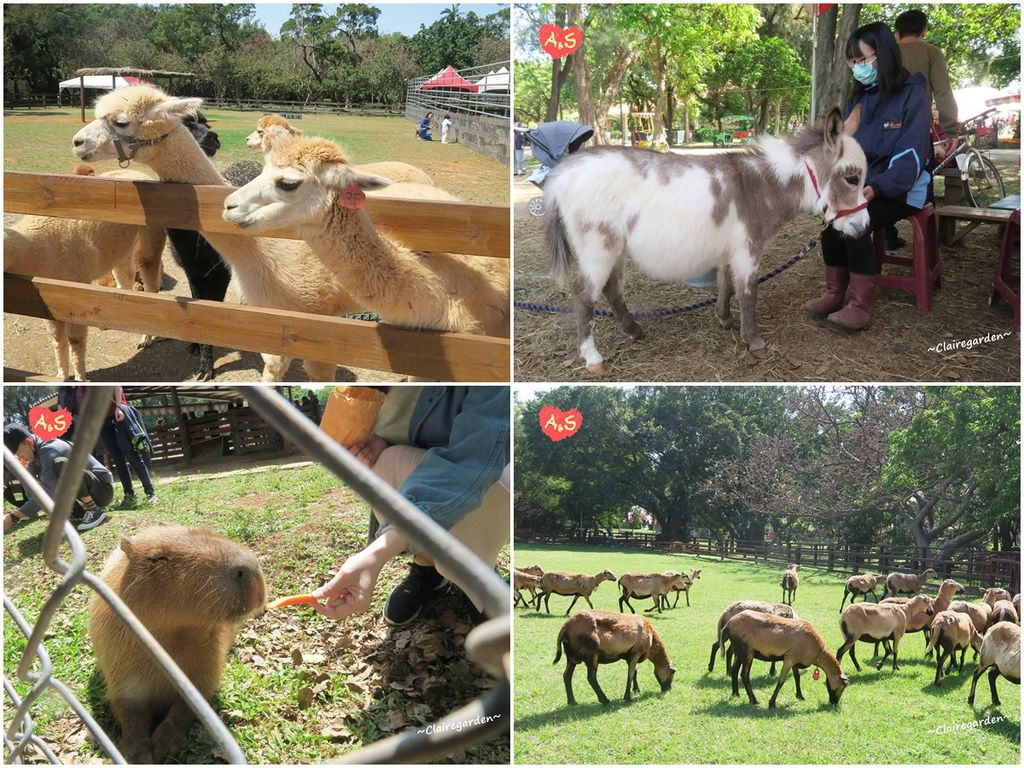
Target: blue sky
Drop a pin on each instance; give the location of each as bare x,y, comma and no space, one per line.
395,17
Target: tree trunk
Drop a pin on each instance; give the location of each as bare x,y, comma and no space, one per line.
836,81
670,113
581,72
624,60
559,72
824,53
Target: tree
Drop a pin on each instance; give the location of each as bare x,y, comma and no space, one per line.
769,74
36,38
533,80
455,39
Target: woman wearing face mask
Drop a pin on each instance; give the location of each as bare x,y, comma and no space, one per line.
894,125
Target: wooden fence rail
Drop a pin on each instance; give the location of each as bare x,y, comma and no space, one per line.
462,228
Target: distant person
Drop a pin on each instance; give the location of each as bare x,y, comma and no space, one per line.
519,146
446,126
423,129
45,461
119,438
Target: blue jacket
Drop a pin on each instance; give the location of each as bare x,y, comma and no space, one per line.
895,134
466,433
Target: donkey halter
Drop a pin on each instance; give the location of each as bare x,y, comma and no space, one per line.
824,209
132,145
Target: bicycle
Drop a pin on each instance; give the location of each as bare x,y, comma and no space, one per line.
982,182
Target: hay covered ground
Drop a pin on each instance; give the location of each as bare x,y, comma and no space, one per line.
692,347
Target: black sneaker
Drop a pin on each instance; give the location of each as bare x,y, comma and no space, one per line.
93,516
408,597
128,502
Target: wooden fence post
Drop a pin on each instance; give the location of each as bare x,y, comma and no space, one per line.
186,443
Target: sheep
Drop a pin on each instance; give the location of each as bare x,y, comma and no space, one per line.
922,621
776,609
979,613
653,585
790,581
992,595
1000,651
692,576
795,643
862,585
522,580
602,637
81,251
1016,603
907,583
1003,610
949,632
565,584
321,196
879,622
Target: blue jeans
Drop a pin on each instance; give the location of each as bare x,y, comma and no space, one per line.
122,454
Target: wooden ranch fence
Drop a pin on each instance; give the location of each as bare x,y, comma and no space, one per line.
473,229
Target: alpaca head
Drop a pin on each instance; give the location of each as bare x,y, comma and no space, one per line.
269,128
130,122
301,180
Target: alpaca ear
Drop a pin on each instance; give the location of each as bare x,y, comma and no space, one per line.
176,108
294,131
341,176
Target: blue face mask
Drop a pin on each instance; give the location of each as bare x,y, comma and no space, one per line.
865,74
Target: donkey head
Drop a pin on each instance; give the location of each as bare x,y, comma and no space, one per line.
839,182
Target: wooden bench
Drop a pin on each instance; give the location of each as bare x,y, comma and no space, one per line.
974,216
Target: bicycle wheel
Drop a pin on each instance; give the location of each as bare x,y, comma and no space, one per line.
983,185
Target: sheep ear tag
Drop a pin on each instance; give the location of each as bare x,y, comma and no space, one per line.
817,675
558,424
46,424
352,197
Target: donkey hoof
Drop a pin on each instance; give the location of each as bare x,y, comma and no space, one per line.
635,332
725,321
757,347
598,369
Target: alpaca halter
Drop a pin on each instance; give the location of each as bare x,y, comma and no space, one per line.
824,208
124,159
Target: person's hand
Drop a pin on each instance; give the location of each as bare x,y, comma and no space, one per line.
370,450
940,151
352,586
118,415
869,194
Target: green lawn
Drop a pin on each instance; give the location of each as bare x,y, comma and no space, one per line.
40,140
884,717
366,680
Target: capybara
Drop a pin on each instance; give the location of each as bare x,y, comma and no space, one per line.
192,589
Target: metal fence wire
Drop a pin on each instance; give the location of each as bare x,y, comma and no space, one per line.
492,98
488,644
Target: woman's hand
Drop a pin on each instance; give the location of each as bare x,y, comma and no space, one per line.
118,415
351,589
869,194
370,450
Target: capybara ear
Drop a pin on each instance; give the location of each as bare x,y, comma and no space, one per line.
127,546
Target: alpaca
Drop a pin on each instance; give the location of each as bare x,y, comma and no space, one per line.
308,184
272,127
81,251
280,274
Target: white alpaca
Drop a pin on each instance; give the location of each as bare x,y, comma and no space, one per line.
271,127
81,251
281,274
308,184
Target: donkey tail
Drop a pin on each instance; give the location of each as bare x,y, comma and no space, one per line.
558,244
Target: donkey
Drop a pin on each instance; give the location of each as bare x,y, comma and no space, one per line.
679,216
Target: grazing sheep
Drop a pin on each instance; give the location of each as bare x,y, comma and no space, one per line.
653,585
692,576
862,585
992,595
885,621
603,637
790,581
522,580
922,621
776,609
756,635
907,583
1000,650
1003,610
565,584
951,631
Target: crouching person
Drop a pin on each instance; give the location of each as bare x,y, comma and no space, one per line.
444,449
45,460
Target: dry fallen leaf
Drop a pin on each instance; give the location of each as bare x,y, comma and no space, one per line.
305,697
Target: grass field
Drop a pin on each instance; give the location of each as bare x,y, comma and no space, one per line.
40,140
884,717
363,680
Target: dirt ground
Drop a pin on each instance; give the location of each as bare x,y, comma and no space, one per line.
693,347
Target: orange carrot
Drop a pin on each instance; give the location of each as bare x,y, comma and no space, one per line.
281,602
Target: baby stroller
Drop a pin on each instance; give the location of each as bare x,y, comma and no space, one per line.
551,142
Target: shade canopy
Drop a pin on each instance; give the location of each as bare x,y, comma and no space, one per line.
449,80
102,82
495,81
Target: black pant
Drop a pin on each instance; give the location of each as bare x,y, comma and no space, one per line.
121,453
858,253
100,489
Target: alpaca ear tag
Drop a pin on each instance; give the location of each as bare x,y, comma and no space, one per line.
46,424
558,424
352,197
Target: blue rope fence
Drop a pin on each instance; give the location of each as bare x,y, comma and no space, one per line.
670,311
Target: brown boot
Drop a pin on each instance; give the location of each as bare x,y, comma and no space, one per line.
836,280
856,315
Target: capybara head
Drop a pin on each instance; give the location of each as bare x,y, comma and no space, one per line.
173,571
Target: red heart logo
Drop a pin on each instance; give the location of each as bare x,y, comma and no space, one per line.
558,42
558,424
47,424
353,197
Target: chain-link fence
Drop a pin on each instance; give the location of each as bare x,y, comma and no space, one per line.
488,644
483,90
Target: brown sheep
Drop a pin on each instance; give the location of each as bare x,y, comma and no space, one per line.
603,637
1003,610
692,576
565,584
861,585
979,613
653,585
522,580
192,589
790,581
885,621
991,595
922,621
756,635
776,609
1000,651
951,631
907,583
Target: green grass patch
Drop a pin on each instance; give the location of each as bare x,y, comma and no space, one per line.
39,140
302,523
884,717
